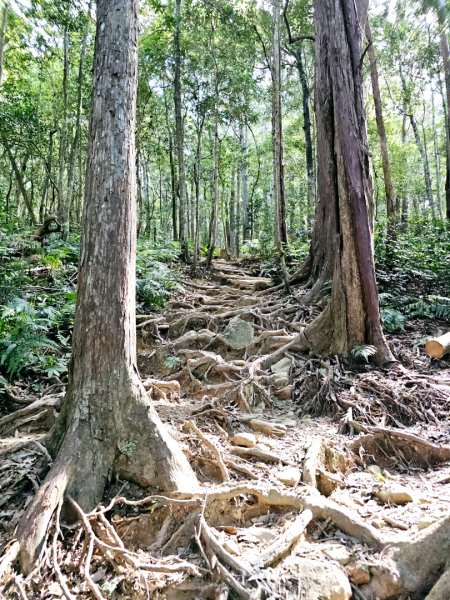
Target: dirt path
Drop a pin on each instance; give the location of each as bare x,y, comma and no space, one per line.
305,481
226,352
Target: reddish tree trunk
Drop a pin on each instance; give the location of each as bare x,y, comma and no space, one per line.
351,317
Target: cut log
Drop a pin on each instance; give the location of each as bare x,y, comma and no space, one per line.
438,347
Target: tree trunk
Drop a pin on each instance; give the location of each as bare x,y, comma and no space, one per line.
278,166
445,53
244,176
214,191
19,179
77,134
437,158
425,164
351,317
107,424
63,209
179,136
388,186
3,26
232,227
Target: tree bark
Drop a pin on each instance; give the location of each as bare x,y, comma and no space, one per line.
3,26
63,209
307,124
351,317
19,179
388,185
107,424
246,230
179,137
278,166
77,133
445,53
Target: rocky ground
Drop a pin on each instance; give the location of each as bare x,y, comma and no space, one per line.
320,478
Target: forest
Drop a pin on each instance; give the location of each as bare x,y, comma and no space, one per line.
225,299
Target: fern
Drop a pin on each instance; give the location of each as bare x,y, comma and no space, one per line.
393,320
364,352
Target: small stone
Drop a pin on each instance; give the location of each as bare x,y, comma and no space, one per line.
282,366
322,580
393,494
290,422
290,476
246,301
232,547
378,523
336,552
425,522
238,334
358,572
248,440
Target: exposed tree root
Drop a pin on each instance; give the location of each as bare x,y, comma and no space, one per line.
197,372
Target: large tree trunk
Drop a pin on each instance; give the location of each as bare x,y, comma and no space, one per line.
351,317
179,137
107,424
388,186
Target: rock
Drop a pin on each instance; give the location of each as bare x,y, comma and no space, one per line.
238,334
378,523
393,494
322,580
258,535
248,440
290,476
337,552
282,366
358,572
246,301
290,422
425,522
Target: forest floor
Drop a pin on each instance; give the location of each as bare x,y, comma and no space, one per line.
310,468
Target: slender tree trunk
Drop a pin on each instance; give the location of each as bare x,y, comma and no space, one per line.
63,209
179,136
437,158
351,318
445,53
425,164
20,180
197,180
244,176
77,135
107,424
3,25
232,226
278,166
214,190
388,185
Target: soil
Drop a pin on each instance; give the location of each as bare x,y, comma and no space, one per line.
310,467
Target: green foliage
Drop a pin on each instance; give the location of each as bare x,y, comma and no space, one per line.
155,280
364,352
25,342
393,320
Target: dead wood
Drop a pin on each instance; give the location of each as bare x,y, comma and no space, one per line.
382,442
278,549
438,347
